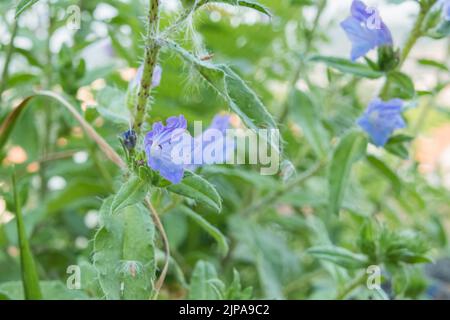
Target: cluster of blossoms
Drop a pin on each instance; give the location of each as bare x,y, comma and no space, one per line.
164,143
366,31
171,149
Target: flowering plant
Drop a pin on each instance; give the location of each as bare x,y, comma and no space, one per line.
222,149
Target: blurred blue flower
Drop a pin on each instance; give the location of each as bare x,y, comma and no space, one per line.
129,139
161,145
445,8
212,146
381,119
156,78
365,29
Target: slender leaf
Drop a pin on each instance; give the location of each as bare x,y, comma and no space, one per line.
351,148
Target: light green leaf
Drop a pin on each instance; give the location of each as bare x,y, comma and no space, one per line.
306,114
350,149
51,290
24,5
387,172
195,187
132,192
246,3
347,66
124,253
239,97
202,282
30,279
401,86
339,256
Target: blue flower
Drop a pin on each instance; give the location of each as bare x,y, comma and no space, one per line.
445,8
161,145
212,146
365,29
381,119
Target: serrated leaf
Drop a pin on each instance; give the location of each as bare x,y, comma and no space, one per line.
197,188
350,149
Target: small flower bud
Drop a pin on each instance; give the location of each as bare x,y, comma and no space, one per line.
129,139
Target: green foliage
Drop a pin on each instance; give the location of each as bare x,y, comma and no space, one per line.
338,205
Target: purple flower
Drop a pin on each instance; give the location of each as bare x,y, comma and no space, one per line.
156,78
381,119
365,30
171,149
161,144
212,146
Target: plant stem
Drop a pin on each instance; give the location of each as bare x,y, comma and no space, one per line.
160,227
8,57
351,286
270,199
415,34
150,59
298,70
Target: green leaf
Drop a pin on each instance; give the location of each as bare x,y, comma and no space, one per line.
306,114
401,86
202,282
339,256
387,172
132,192
112,106
433,63
239,97
396,145
246,3
347,66
124,253
209,228
30,277
195,187
350,149
24,5
51,290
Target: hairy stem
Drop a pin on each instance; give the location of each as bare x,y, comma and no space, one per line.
150,59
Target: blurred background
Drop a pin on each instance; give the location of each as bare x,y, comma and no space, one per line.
63,176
